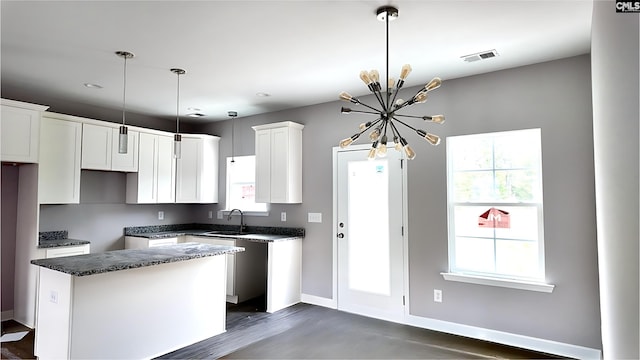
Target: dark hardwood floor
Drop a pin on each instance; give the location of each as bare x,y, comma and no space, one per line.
306,331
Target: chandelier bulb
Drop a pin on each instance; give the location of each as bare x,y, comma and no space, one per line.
375,134
438,119
392,82
433,84
420,98
408,151
365,125
373,151
347,97
406,70
364,76
346,142
432,139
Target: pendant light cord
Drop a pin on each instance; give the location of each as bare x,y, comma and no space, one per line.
388,93
178,107
124,91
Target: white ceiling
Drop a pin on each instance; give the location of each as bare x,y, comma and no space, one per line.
300,52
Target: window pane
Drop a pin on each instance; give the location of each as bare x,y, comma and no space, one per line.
241,184
474,254
523,223
473,153
519,258
517,149
466,223
516,185
474,186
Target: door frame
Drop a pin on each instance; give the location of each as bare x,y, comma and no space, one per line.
405,236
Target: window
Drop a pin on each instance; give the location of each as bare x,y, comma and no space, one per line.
494,184
241,185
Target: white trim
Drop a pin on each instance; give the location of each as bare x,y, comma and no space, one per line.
500,337
6,315
319,301
508,283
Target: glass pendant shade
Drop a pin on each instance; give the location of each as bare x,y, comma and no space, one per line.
123,140
177,146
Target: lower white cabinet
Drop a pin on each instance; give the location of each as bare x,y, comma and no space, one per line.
134,242
67,251
246,271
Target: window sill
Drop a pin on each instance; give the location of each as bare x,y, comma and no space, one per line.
513,284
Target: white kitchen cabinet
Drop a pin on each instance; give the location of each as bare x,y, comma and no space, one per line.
59,165
155,180
67,251
100,149
279,163
20,131
246,271
135,242
197,170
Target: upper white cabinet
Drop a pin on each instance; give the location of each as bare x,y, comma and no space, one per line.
155,180
279,163
100,149
197,169
19,131
59,166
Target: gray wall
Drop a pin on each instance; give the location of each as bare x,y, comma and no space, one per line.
554,96
616,90
9,199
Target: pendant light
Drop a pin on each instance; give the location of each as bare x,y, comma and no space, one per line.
123,138
177,138
387,109
232,115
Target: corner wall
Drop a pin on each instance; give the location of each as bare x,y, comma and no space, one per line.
616,113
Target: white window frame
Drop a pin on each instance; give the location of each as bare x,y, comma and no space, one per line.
489,278
228,206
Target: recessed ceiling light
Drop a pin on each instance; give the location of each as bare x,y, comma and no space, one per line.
92,86
193,109
263,94
195,115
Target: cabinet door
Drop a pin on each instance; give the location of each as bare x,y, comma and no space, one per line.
166,170
263,166
188,171
145,190
231,264
96,147
279,165
124,162
59,166
19,131
67,251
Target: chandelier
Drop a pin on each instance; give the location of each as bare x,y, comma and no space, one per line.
389,105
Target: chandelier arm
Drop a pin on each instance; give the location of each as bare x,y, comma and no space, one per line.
365,112
410,116
405,124
380,98
395,95
370,107
373,123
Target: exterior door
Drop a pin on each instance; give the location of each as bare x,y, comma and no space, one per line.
369,235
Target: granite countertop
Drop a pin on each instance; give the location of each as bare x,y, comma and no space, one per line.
251,233
53,239
91,264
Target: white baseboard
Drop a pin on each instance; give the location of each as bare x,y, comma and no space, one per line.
320,301
6,315
500,337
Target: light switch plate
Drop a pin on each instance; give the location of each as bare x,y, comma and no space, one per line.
160,215
210,214
220,215
283,216
315,217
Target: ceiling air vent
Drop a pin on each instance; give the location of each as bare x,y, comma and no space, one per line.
480,56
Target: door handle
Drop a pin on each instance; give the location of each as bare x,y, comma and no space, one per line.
340,235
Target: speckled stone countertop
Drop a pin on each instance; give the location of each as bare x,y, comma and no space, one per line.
250,233
91,264
53,239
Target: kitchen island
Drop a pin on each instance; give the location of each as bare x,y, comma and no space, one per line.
133,304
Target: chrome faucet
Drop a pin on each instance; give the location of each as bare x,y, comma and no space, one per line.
241,218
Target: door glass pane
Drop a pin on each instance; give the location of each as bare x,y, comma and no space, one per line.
368,226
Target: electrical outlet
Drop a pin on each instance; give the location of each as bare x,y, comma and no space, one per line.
220,215
437,295
283,216
160,215
210,214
